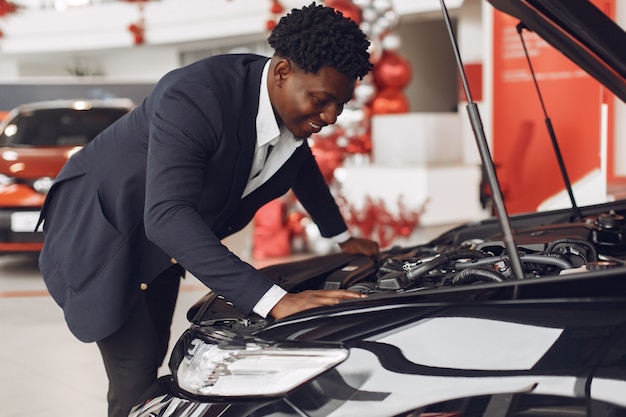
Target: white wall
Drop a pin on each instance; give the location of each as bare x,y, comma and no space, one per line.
148,64
426,45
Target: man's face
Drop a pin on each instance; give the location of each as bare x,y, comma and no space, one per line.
306,102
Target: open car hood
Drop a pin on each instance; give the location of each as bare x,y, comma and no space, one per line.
579,30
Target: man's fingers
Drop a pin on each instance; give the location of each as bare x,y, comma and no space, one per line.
295,302
341,294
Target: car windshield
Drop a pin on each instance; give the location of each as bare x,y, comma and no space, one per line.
58,127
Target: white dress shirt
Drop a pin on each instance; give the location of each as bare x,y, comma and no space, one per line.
284,145
269,133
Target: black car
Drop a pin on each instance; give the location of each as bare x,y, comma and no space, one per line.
512,316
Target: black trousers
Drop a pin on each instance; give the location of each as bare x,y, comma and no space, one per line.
133,354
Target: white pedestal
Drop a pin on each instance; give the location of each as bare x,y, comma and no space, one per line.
448,194
417,139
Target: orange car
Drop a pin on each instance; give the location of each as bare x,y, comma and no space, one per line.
36,140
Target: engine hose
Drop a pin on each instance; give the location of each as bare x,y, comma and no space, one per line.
548,260
569,242
472,275
391,265
421,269
525,258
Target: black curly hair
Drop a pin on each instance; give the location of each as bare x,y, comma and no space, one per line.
316,36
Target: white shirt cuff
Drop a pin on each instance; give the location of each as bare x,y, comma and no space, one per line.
340,238
269,300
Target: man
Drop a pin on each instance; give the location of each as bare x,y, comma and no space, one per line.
155,193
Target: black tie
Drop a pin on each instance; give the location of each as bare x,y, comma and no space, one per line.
267,155
269,151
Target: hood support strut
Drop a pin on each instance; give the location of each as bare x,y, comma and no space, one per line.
555,145
485,155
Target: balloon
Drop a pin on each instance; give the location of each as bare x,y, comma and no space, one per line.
391,17
382,5
363,93
391,42
351,120
347,8
378,28
390,100
362,3
392,71
370,14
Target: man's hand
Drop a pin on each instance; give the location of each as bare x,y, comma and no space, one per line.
293,303
356,245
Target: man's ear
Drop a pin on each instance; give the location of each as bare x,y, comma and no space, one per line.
281,71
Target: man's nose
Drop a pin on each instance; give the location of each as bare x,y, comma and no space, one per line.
330,114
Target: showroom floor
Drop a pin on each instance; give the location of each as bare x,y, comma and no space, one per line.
45,371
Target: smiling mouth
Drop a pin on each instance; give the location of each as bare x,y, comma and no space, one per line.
315,126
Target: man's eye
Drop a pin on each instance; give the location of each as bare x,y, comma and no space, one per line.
319,101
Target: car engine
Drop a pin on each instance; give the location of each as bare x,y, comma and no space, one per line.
468,255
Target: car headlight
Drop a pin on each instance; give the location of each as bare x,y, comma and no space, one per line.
250,369
6,180
43,184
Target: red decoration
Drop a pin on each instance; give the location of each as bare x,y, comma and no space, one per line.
270,25
392,71
360,144
277,10
7,8
375,222
138,28
270,236
328,154
390,101
347,9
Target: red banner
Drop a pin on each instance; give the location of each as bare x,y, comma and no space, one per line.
522,150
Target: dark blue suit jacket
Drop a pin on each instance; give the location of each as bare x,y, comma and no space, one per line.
163,183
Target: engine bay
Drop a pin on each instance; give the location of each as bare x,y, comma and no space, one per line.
595,243
548,244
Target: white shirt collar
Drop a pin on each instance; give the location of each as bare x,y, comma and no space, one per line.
268,132
267,129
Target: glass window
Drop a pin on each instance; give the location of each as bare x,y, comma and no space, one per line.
58,127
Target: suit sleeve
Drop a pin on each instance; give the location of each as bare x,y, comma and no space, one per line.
184,136
314,194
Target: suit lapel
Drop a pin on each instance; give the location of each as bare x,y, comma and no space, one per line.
246,137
